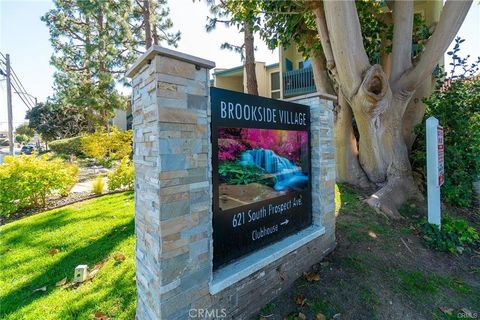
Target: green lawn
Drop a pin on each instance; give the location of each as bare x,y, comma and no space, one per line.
84,233
379,269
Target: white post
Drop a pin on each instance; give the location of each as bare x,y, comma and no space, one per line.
434,169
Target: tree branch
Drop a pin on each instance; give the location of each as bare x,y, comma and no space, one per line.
325,40
451,19
74,34
346,41
402,38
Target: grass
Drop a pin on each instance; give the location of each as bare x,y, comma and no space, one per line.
357,280
323,306
381,270
268,308
354,263
40,250
417,283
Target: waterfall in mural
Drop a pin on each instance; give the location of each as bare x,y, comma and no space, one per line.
260,164
288,175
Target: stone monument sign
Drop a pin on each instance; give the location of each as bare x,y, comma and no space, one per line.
234,194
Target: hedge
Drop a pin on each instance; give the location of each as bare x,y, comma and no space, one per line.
68,146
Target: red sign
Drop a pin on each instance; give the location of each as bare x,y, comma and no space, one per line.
441,148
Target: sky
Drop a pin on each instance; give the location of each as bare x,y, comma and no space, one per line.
26,39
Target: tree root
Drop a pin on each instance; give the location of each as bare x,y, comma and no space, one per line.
392,195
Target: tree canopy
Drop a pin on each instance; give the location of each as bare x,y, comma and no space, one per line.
54,120
94,43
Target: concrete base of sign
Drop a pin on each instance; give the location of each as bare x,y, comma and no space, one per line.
250,264
173,200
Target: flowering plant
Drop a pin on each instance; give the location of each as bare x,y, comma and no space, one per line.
285,143
229,149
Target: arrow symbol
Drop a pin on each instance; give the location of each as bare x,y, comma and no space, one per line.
284,222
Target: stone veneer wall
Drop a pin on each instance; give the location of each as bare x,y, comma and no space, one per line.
173,195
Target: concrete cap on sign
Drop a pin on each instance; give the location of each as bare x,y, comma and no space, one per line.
158,50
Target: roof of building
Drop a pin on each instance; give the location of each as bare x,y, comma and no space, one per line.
226,72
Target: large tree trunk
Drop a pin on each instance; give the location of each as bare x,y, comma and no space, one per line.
252,87
383,153
348,169
320,74
415,112
146,22
379,102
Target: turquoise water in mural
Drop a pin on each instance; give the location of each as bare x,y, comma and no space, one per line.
287,174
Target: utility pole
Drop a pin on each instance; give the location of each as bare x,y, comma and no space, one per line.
9,105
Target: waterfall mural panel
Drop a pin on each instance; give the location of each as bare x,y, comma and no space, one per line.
261,172
259,164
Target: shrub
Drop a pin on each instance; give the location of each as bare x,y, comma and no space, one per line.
107,146
122,177
234,173
67,146
21,138
456,104
27,181
458,111
454,236
98,185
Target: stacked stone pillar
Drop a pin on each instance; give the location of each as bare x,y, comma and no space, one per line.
172,188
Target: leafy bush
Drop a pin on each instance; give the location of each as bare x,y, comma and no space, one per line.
234,173
458,111
122,177
27,181
107,146
98,185
454,236
67,146
20,138
456,104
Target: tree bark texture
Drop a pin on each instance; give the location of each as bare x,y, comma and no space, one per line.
146,21
320,74
252,86
384,106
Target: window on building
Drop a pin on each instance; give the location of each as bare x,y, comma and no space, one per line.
275,85
288,65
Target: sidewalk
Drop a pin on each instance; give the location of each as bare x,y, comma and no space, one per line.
86,186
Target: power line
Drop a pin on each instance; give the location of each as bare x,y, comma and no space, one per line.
22,87
20,93
21,98
20,90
